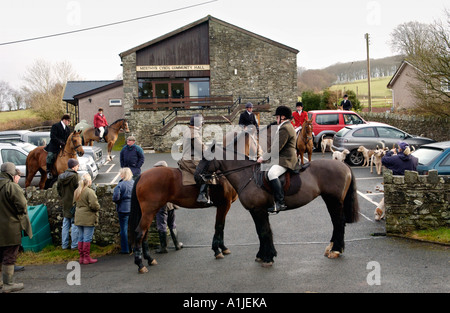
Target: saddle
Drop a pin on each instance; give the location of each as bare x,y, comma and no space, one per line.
290,180
97,131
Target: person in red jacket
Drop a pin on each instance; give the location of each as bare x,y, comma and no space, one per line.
299,116
100,122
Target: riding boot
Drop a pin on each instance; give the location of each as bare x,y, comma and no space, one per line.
203,195
8,282
278,195
178,245
163,242
81,252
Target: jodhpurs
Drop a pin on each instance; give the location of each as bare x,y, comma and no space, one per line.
276,171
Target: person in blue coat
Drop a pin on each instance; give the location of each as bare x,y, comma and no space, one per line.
132,156
401,159
122,198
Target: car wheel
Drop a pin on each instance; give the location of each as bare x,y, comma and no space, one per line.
355,158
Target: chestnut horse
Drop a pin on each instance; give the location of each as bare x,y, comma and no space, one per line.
332,180
36,160
305,141
159,185
113,132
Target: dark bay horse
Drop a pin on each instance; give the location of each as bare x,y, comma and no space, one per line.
332,180
89,135
36,159
159,185
305,141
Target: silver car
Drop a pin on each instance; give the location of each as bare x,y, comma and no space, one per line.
370,136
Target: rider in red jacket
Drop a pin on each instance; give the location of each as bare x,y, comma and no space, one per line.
100,122
299,117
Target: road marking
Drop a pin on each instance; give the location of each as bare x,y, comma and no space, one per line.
109,169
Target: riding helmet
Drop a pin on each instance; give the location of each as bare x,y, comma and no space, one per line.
284,110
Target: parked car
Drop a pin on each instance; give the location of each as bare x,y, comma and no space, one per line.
434,156
43,138
17,152
329,122
371,135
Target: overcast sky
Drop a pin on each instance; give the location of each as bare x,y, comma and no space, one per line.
324,31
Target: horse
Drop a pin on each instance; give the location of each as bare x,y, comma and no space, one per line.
36,160
159,185
111,136
332,180
305,141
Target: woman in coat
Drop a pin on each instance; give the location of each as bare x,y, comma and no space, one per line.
86,217
122,198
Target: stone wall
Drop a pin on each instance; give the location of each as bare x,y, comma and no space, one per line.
436,128
106,233
415,202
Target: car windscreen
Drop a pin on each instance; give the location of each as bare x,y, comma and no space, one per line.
426,155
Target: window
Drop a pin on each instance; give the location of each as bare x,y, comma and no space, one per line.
14,156
145,90
352,119
199,87
327,119
446,161
364,132
115,102
445,85
386,132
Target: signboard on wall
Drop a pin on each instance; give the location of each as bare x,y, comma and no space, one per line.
166,68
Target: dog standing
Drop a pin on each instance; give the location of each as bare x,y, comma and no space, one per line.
367,155
376,158
326,142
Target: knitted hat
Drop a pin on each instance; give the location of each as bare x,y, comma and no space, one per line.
403,145
72,163
9,168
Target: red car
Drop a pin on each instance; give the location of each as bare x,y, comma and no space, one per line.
329,122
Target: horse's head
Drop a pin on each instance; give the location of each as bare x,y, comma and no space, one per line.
124,126
76,142
307,126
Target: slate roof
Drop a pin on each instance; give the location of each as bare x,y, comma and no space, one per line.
74,88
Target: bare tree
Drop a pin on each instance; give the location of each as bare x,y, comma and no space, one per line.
427,47
44,88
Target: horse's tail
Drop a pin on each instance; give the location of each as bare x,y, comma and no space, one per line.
135,215
351,204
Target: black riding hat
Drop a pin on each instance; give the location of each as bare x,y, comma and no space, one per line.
283,110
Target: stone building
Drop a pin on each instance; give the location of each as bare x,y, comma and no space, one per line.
209,67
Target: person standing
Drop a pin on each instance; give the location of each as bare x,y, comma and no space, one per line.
86,217
67,183
285,144
400,160
132,156
299,117
248,117
58,136
346,104
13,220
166,217
122,199
100,122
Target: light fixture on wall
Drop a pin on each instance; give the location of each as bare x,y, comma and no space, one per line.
235,71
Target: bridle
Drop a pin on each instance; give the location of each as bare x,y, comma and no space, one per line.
75,147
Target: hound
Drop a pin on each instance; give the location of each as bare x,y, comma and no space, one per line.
367,155
326,142
376,158
380,210
340,156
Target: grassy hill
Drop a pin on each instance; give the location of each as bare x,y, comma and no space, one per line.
21,119
381,95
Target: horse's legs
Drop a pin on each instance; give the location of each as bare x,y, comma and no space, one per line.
146,250
218,245
267,250
110,146
336,246
140,245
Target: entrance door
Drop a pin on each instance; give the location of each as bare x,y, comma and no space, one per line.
162,90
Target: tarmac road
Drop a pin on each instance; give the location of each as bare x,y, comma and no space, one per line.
370,264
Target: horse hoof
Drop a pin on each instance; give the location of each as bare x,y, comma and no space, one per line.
226,251
143,270
267,264
153,262
259,260
219,256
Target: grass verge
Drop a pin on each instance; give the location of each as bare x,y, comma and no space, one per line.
440,235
